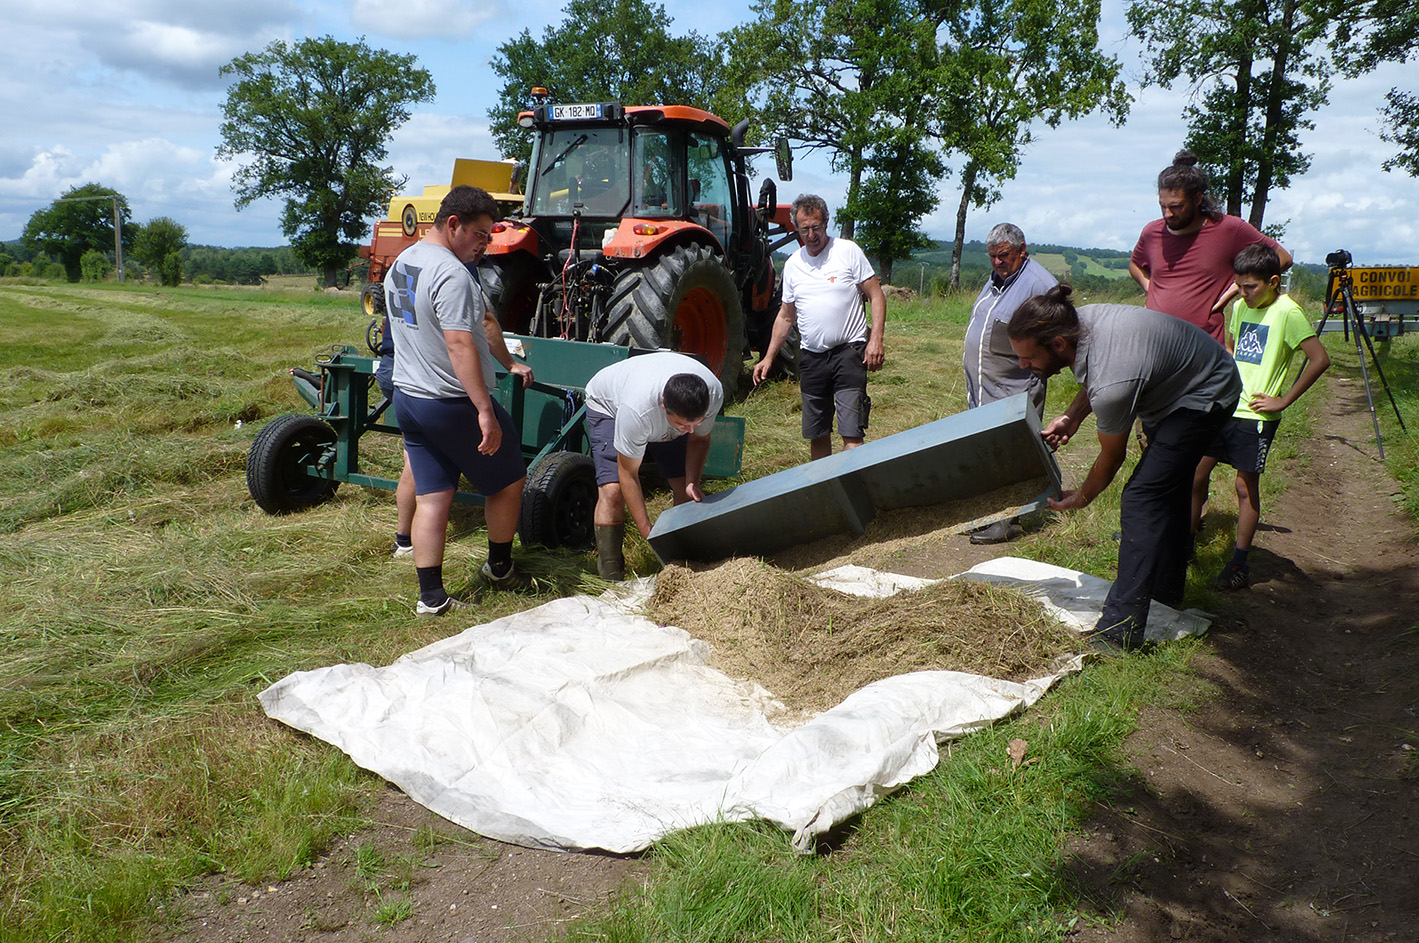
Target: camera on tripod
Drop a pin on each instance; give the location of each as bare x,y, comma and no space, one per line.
1339,259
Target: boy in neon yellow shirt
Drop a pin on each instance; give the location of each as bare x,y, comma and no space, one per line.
1264,331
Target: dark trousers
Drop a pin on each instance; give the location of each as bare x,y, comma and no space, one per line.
1155,520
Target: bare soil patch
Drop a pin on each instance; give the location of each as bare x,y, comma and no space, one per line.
1282,809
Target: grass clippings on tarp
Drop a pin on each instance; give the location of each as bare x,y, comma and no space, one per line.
812,646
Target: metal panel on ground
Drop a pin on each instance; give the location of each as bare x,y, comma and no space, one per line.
962,456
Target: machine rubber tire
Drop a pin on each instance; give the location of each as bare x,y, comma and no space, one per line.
559,502
372,300
275,472
786,361
685,299
507,281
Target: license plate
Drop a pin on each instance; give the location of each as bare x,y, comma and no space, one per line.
575,112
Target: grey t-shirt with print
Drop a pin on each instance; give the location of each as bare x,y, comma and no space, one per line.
1134,362
429,291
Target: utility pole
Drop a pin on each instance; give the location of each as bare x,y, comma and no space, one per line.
117,227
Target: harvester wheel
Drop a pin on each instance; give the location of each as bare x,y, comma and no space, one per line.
276,472
372,300
685,300
558,502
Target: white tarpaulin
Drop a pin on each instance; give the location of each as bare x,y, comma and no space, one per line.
580,724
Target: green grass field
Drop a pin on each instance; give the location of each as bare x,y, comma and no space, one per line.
145,600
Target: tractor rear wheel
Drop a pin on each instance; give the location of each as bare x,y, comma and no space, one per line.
558,502
276,466
685,299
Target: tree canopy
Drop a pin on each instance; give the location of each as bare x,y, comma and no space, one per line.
158,245
854,79
621,50
314,118
1262,67
1401,127
81,220
1007,64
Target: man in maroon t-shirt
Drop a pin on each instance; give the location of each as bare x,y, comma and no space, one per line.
1184,260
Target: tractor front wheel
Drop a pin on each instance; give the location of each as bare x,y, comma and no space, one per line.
558,502
685,299
508,282
372,300
277,466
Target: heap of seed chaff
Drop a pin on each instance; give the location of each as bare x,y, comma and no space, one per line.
812,646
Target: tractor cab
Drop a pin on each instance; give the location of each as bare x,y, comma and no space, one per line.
638,229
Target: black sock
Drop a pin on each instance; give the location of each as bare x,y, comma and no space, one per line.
1239,556
500,558
402,540
431,589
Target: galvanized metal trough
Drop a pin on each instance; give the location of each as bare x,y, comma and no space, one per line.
961,456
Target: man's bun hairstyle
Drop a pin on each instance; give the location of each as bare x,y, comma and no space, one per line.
1185,176
1045,317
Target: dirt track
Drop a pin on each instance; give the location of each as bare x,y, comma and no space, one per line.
1282,810
1285,809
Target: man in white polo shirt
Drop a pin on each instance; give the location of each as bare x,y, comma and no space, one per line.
823,286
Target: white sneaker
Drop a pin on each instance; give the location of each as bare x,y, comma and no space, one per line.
450,604
399,552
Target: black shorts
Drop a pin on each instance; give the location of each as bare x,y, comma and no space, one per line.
441,438
669,457
1244,443
834,381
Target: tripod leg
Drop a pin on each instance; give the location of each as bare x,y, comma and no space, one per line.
1359,329
1352,318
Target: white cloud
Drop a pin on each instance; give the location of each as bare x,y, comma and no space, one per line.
423,19
174,42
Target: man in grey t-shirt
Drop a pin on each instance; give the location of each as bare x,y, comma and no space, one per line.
445,356
662,405
1133,363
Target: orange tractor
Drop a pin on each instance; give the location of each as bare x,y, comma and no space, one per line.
638,230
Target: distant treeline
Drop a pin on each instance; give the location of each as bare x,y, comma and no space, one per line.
245,265
241,266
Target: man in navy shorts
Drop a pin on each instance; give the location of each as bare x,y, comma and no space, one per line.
444,372
823,286
660,405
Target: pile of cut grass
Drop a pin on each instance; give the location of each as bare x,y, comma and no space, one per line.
812,646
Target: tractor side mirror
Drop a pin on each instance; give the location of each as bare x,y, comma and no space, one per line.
783,159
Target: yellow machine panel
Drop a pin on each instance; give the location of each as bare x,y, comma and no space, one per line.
498,177
1386,283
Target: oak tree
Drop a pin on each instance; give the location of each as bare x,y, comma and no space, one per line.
312,120
80,220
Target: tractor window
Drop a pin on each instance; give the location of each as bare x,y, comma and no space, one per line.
659,183
585,167
711,195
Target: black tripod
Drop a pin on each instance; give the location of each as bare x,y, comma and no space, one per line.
1340,292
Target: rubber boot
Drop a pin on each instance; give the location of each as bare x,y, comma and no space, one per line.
610,560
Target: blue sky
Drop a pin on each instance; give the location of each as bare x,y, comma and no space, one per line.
126,93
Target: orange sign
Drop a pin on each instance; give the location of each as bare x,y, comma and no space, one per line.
1386,283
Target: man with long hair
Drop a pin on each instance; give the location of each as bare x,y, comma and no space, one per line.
1184,259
